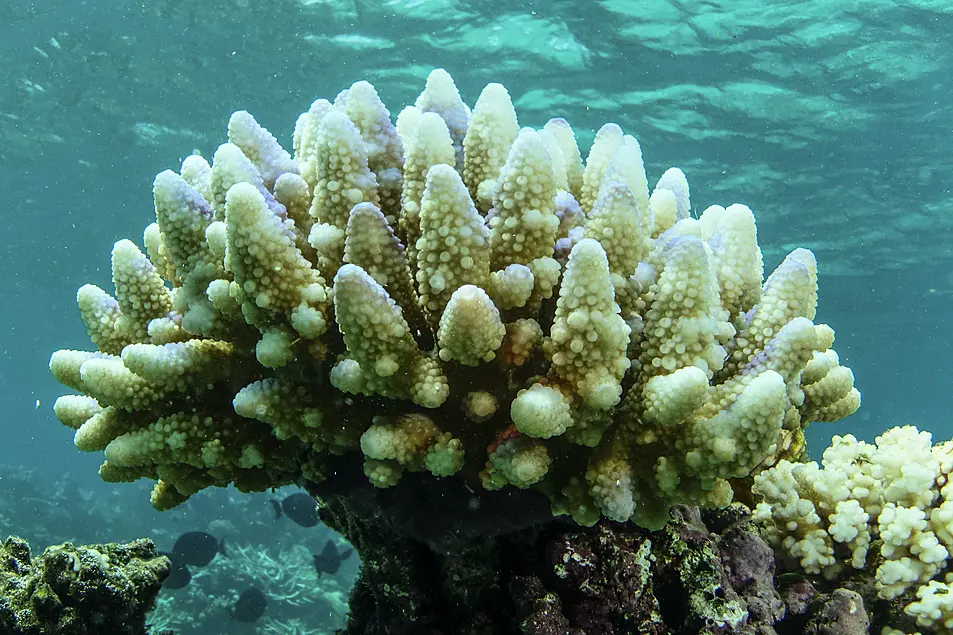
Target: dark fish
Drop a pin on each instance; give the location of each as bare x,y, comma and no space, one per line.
300,508
277,507
179,574
197,548
330,559
250,606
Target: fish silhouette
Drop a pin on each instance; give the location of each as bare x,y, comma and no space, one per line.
330,559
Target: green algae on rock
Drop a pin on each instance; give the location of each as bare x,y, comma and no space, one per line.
79,589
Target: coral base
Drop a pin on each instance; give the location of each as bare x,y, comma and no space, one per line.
704,573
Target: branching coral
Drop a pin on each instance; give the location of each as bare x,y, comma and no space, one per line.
286,577
299,601
455,295
885,507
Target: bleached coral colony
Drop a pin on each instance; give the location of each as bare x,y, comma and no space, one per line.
452,294
884,507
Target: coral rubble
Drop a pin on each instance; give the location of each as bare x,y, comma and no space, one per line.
454,295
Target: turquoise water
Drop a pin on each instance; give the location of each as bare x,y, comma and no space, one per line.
831,120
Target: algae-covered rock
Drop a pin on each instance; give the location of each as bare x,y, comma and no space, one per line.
705,572
841,613
79,589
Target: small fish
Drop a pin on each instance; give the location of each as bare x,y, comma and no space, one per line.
250,606
179,574
330,559
299,507
197,548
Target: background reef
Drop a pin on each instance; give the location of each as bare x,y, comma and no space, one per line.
273,556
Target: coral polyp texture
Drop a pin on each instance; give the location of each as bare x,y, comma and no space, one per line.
451,294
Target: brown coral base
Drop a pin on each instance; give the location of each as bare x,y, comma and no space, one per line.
704,573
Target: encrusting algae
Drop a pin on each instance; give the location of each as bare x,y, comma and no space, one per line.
456,295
